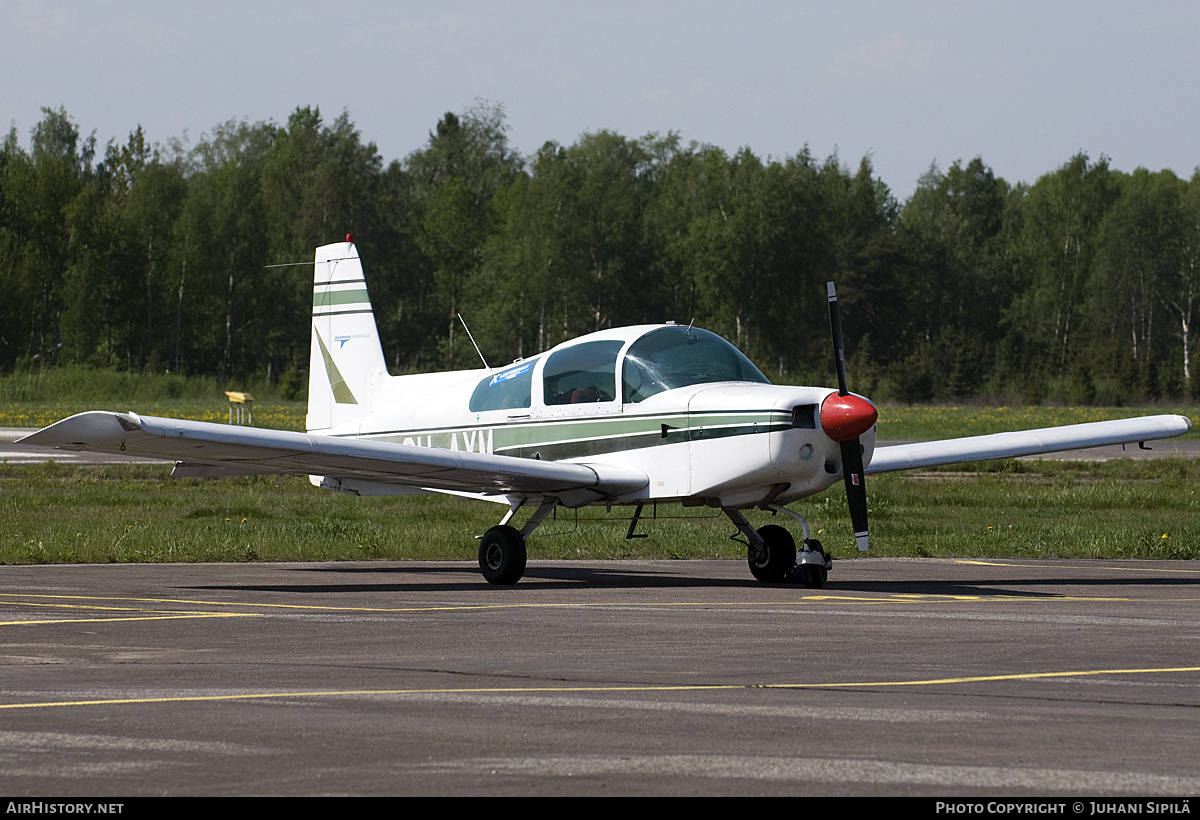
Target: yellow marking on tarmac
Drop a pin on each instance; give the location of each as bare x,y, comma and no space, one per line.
20,599
16,599
176,617
1109,566
144,614
987,678
13,600
96,606
502,690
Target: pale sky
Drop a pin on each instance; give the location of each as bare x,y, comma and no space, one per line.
1025,85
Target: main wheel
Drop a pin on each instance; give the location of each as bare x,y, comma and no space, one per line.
780,555
502,555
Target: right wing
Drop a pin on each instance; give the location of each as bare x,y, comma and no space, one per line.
1026,442
206,448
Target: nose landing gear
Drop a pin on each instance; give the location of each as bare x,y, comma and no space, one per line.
772,556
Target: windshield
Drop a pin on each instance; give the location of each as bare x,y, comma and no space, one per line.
679,356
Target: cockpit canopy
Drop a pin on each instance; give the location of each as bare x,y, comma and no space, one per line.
661,359
674,356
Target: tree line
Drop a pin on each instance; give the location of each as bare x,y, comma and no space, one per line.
1079,288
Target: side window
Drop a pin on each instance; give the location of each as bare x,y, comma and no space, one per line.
505,390
582,373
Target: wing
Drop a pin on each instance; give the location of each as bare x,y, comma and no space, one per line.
206,448
1026,442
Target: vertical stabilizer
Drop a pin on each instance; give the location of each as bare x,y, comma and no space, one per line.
346,352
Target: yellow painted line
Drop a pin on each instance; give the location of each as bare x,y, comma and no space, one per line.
508,690
21,599
93,606
130,618
989,678
1106,565
14,599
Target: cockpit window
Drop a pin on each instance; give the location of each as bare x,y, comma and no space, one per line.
508,389
582,373
679,356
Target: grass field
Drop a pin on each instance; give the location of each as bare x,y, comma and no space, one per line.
276,415
1026,509
32,400
53,513
39,399
896,422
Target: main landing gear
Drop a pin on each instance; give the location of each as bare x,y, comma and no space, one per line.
502,548
502,555
772,556
771,551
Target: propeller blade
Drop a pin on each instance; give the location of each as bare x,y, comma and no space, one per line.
844,421
839,350
856,490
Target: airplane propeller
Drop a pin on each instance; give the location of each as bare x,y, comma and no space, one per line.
845,417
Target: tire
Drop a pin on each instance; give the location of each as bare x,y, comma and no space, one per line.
502,555
814,576
780,555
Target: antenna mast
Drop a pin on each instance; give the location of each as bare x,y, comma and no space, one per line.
472,338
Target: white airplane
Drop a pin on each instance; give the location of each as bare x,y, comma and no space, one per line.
629,416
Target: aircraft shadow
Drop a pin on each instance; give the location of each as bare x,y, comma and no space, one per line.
556,577
567,576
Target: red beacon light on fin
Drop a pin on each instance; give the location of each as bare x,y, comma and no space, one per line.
349,239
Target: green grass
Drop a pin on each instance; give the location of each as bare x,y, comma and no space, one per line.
896,422
1040,509
54,513
277,415
39,399
1117,509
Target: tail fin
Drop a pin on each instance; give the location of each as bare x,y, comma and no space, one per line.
346,352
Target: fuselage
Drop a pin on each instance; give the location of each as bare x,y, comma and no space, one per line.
681,404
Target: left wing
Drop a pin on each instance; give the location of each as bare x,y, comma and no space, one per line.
203,447
1026,442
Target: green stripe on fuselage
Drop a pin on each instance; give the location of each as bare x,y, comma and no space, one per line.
560,438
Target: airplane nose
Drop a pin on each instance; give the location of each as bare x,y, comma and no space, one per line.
847,417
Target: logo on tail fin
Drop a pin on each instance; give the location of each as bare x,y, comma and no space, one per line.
341,393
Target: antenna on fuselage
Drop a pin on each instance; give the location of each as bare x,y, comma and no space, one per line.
472,338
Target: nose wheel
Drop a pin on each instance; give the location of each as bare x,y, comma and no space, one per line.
813,566
772,556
